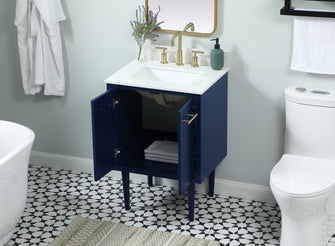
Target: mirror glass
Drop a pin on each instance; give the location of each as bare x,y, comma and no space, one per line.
176,14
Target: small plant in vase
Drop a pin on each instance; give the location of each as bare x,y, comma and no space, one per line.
143,29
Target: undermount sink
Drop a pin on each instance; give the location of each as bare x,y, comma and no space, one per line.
167,75
166,100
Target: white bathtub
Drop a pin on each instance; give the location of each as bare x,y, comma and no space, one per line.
15,146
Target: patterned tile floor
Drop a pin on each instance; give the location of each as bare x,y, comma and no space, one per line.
55,197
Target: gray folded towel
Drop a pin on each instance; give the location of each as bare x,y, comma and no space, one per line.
164,151
163,148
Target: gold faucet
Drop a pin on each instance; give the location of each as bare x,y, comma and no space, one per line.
180,51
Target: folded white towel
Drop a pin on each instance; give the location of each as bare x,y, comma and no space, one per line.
314,45
161,156
162,159
163,148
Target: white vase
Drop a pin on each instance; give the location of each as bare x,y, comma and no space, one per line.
142,51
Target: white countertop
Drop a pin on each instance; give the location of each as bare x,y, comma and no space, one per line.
196,80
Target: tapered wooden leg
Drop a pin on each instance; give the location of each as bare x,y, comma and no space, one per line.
150,183
191,190
211,181
126,195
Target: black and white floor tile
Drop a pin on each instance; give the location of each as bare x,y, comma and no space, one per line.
55,197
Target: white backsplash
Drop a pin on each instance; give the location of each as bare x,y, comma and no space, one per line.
153,54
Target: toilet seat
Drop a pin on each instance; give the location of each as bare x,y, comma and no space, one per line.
301,176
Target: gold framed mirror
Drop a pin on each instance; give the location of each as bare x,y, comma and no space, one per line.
176,14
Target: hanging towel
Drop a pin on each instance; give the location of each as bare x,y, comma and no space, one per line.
40,47
314,45
163,148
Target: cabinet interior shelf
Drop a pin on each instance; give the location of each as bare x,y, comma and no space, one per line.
132,155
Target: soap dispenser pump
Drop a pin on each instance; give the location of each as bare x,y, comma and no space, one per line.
217,59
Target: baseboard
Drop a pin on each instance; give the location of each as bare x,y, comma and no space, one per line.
61,162
222,186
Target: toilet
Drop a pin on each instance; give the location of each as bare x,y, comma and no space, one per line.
303,180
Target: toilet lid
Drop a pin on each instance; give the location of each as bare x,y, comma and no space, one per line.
302,176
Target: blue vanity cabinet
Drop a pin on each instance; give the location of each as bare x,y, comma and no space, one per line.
119,138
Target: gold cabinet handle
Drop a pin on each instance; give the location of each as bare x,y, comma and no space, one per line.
163,55
192,119
195,58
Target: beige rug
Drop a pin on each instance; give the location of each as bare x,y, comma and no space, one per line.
83,231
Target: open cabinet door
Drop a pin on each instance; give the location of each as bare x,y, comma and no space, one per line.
186,141
116,120
104,129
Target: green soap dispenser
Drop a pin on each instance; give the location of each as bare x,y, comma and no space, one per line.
217,59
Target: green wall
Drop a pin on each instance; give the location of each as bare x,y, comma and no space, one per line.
97,42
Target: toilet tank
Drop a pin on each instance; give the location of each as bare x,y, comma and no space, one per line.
310,122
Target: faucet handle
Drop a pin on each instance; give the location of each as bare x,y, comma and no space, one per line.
195,58
163,55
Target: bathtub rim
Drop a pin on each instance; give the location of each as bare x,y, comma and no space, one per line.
29,141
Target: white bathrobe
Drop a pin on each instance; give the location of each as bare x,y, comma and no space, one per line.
40,47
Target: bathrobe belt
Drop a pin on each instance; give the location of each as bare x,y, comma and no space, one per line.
33,19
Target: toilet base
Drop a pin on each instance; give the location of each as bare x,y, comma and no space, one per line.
306,221
312,233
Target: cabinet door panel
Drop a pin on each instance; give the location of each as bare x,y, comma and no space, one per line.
116,120
212,128
129,116
104,129
186,141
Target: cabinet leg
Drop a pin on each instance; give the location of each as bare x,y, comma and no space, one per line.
191,190
211,181
150,181
126,195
